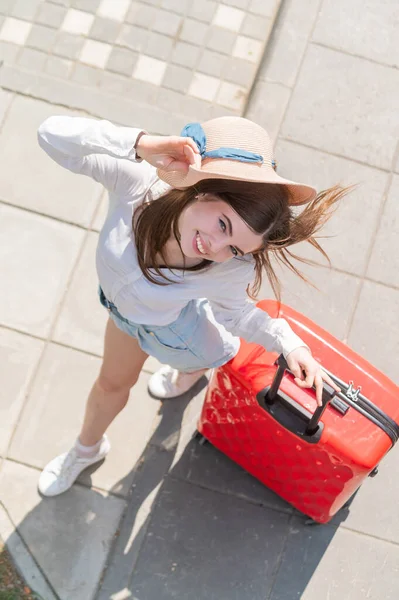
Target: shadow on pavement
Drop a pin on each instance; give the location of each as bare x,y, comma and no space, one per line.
196,526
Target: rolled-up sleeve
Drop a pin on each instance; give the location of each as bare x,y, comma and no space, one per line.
238,314
94,148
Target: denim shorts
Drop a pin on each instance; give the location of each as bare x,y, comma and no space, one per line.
194,341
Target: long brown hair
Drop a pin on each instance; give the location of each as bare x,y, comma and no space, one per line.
266,210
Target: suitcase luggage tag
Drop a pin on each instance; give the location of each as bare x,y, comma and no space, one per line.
300,421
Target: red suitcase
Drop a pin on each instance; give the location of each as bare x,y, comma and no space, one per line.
314,458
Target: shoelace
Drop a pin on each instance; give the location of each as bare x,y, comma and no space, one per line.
69,462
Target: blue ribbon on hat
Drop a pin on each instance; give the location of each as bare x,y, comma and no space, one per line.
195,131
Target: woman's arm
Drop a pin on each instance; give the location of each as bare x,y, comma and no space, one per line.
253,324
95,148
242,318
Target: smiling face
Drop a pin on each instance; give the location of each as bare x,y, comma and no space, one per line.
212,230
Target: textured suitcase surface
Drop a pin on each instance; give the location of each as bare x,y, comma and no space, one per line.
317,475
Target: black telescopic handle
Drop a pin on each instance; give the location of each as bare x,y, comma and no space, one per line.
327,395
282,365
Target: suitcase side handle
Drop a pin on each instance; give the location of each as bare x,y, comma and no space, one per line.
272,394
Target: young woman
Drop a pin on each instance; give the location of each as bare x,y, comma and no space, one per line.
193,222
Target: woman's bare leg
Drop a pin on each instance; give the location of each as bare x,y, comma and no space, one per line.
122,363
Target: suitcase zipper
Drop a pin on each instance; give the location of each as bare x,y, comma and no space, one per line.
365,403
341,401
361,404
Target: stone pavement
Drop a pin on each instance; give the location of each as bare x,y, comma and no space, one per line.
155,62
164,517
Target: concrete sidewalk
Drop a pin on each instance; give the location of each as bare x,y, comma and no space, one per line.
164,517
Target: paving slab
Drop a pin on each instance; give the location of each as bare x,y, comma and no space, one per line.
54,411
370,19
349,235
148,481
5,101
200,541
19,355
325,562
151,38
42,252
384,262
267,106
288,42
175,424
189,421
97,103
69,536
22,559
82,320
351,110
8,50
177,419
45,186
327,305
373,510
375,329
55,405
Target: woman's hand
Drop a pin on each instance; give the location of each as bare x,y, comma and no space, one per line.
170,153
301,361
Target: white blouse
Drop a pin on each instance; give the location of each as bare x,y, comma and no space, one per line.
106,153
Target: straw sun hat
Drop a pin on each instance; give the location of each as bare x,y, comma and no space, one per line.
234,148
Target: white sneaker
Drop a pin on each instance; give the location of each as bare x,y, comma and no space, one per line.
170,383
60,473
